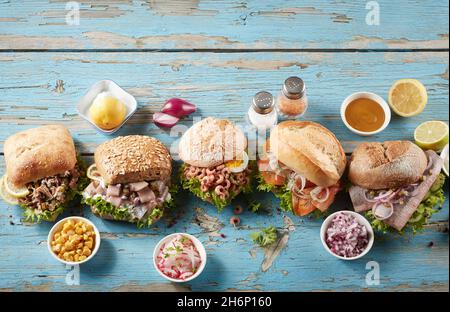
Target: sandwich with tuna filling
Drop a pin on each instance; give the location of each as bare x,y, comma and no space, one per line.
216,166
396,184
302,165
130,180
42,172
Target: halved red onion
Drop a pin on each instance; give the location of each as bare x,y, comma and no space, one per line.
383,211
178,107
164,120
383,194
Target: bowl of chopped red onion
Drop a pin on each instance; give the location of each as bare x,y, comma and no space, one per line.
179,257
347,235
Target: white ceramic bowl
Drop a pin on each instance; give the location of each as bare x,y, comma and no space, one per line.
106,86
198,244
59,225
444,154
361,220
371,96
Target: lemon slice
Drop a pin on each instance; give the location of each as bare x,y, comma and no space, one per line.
408,97
5,195
93,173
431,135
13,190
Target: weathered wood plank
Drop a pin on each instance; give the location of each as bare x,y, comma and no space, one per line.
231,24
212,81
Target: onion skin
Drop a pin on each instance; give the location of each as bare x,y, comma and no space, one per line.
164,120
178,107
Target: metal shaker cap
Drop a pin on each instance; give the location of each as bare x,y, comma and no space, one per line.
294,88
263,102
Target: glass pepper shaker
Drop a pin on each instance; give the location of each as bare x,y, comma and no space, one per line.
292,101
262,112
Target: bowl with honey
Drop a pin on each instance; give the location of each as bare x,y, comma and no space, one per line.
365,113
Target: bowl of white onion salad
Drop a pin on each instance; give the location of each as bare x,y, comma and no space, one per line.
179,257
347,235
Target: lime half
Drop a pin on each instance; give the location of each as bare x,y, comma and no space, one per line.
431,135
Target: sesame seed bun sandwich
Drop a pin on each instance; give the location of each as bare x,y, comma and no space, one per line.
130,180
302,165
216,166
43,173
396,184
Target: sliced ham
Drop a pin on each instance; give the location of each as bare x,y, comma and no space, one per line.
100,190
402,213
146,195
137,186
90,189
115,200
113,190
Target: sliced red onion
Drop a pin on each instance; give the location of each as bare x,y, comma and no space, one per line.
383,211
178,107
164,120
369,200
383,195
316,191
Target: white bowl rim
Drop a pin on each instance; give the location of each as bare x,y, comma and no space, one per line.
444,151
361,219
57,224
372,96
128,116
198,244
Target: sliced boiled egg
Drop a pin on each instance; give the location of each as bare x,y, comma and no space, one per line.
93,173
238,165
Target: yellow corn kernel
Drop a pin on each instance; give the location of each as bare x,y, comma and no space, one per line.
86,252
81,258
89,244
57,248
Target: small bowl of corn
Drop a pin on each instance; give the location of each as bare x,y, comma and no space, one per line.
73,240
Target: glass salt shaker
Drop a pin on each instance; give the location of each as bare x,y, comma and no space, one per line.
261,113
292,101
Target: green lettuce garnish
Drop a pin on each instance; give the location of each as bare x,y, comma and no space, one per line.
429,206
265,237
283,193
193,185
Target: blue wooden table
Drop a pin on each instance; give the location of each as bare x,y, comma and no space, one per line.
217,54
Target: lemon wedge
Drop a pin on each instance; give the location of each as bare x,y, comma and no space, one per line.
5,195
13,190
408,97
93,173
431,135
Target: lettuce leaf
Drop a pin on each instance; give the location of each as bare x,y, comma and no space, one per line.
265,237
283,193
432,201
193,185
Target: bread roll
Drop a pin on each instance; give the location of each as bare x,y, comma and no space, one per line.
37,153
309,149
133,158
391,164
211,142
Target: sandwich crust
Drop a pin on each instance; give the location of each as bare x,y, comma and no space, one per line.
37,153
211,142
309,149
391,164
133,158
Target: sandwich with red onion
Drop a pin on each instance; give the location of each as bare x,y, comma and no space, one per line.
396,184
130,180
302,165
